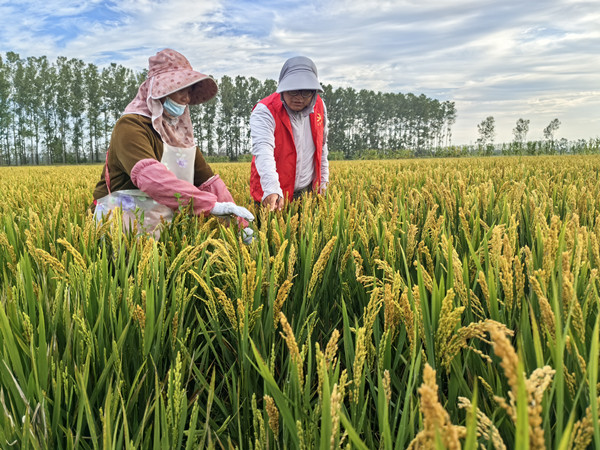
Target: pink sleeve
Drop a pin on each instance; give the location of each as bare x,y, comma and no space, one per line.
217,186
152,177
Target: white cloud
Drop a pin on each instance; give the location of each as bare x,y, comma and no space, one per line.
508,58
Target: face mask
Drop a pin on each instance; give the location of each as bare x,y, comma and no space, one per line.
174,109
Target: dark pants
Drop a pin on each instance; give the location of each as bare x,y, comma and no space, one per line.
298,193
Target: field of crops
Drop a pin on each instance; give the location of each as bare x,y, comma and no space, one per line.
419,304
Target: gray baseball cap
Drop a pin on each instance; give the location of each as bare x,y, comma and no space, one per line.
298,73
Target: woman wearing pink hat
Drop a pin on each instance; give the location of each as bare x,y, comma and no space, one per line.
153,164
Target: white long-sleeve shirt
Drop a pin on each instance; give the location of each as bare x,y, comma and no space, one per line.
262,133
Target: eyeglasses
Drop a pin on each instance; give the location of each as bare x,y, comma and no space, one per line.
306,93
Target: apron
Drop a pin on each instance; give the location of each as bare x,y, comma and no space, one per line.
137,207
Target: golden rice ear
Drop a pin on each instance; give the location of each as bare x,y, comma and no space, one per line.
491,282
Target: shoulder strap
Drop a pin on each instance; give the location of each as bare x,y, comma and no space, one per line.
106,176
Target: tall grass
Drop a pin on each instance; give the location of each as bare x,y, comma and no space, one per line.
419,304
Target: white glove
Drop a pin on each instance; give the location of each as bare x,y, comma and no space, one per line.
231,209
247,235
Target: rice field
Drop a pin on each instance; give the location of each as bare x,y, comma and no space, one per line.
448,303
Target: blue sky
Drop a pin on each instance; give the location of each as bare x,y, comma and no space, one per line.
536,60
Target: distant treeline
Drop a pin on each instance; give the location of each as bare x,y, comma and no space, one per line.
63,111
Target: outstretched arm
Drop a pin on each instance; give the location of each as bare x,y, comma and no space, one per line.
163,186
152,177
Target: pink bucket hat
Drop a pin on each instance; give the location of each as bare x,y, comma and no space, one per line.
171,71
168,72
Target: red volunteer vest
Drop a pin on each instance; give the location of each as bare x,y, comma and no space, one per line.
285,148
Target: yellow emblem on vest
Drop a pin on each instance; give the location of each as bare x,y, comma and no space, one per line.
319,119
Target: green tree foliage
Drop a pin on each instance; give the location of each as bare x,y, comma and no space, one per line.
5,116
92,98
487,131
520,131
551,129
64,112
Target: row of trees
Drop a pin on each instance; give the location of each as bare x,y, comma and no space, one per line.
64,111
533,148
487,132
550,145
59,112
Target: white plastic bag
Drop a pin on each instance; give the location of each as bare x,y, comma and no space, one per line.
136,207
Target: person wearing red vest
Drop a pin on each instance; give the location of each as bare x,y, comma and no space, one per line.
289,137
